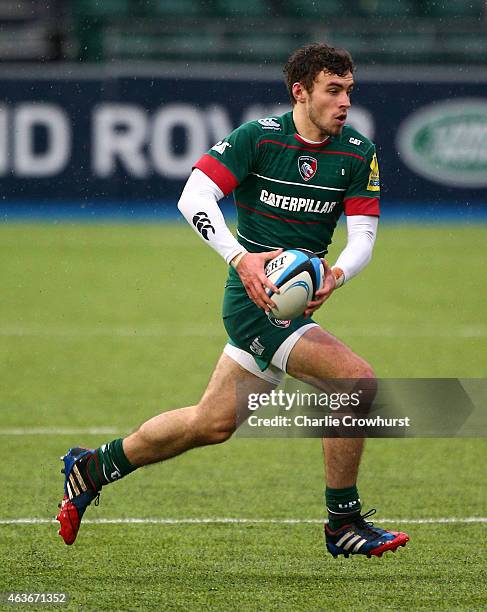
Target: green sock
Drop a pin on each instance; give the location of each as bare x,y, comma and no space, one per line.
343,505
108,464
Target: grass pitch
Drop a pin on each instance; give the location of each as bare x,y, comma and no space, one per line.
102,326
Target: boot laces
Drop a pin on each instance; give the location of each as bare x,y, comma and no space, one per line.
367,526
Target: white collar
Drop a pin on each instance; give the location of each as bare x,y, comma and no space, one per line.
315,142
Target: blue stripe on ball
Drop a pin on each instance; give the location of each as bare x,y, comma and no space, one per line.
300,259
317,269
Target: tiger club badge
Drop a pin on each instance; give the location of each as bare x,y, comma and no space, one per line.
307,167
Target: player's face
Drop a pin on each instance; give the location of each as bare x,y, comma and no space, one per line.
328,102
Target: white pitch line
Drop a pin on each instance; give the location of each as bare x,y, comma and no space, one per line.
237,521
56,431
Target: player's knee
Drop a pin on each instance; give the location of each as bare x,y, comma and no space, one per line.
366,387
213,428
216,433
358,380
218,436
367,372
359,369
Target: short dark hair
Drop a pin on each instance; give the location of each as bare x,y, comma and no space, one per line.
304,65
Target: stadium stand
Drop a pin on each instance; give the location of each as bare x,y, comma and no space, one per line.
229,30
260,31
388,8
249,8
318,9
31,30
454,8
171,8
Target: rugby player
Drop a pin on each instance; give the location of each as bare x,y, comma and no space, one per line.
292,177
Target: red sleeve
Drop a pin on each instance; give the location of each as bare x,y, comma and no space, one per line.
362,206
218,173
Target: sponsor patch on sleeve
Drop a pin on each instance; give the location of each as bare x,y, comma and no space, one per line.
374,182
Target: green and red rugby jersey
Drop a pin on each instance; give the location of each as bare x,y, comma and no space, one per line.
290,193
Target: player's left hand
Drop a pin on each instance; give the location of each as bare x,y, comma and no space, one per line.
320,297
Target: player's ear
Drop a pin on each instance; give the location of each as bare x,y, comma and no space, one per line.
299,92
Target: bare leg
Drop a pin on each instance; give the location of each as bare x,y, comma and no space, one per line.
211,421
318,356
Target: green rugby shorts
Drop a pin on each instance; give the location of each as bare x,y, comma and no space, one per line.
250,329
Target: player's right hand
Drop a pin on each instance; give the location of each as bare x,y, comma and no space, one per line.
251,271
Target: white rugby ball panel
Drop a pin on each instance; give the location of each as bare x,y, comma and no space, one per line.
298,274
293,296
275,268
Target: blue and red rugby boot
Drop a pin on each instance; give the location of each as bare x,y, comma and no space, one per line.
360,537
79,492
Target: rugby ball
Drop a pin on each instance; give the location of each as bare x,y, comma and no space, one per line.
298,274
